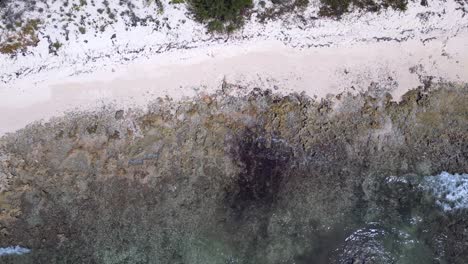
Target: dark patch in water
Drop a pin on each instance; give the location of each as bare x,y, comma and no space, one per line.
264,164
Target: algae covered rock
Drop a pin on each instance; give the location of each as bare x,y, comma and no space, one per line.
258,178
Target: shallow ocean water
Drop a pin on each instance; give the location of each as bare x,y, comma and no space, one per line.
406,233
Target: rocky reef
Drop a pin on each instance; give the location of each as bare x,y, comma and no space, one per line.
255,178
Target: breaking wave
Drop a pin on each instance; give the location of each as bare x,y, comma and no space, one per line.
449,190
16,250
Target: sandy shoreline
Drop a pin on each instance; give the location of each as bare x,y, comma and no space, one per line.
265,64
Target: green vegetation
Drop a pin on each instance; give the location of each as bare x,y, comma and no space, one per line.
336,8
301,3
281,8
82,30
21,38
54,47
57,45
220,15
160,6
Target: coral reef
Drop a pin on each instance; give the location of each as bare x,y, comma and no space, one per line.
257,178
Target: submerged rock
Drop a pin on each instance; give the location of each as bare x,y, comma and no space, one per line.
260,178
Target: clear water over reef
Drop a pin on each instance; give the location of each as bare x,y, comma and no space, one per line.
255,178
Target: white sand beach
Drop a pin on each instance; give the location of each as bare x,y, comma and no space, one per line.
353,61
315,71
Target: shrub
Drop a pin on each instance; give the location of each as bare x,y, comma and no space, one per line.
280,8
336,8
301,3
20,39
396,4
220,15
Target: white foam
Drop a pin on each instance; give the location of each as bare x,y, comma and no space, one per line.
16,250
450,190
